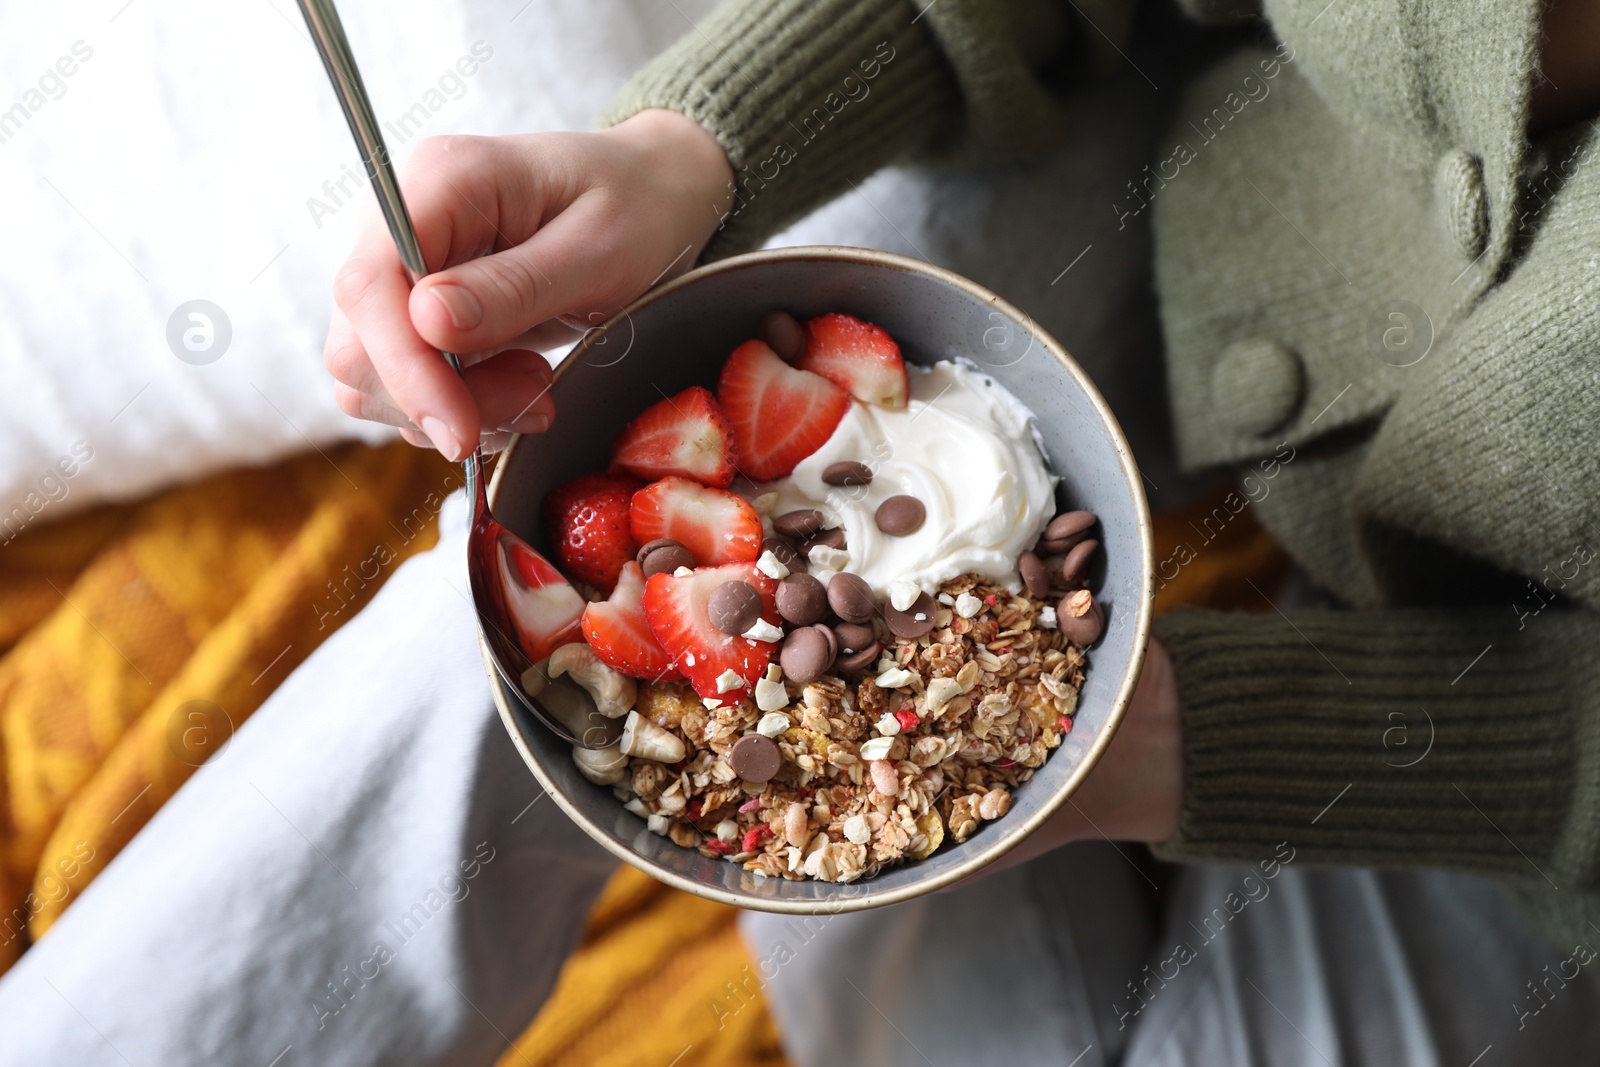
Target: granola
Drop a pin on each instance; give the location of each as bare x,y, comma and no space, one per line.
925,746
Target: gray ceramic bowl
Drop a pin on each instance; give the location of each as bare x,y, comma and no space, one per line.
678,335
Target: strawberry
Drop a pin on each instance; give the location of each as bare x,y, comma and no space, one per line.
677,609
685,434
619,633
857,357
544,607
716,526
780,415
587,521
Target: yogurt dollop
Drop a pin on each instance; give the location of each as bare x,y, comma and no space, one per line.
963,446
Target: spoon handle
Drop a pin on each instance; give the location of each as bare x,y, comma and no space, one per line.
327,33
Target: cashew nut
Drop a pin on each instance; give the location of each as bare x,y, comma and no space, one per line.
602,766
613,693
642,737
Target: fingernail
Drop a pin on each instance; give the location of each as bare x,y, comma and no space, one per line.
442,438
463,308
531,422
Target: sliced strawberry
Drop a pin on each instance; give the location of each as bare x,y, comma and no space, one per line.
780,415
619,633
716,526
857,357
544,607
587,521
685,434
677,609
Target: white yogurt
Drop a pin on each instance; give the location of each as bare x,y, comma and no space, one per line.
963,446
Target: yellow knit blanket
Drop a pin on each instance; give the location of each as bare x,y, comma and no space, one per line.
135,638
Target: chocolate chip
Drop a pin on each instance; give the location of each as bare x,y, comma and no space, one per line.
860,659
916,620
1072,567
1069,526
1035,575
663,556
650,546
734,607
901,515
1080,618
833,642
833,538
851,597
783,334
797,523
785,552
854,636
802,600
847,472
755,758
805,655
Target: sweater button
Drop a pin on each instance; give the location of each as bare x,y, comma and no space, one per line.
1462,205
1257,385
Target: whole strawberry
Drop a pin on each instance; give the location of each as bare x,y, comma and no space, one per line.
587,522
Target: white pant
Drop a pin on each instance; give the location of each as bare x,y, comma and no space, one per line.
1064,961
366,875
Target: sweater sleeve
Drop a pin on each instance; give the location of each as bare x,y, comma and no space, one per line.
1416,738
808,97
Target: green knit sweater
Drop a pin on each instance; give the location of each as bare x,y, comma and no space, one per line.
1364,264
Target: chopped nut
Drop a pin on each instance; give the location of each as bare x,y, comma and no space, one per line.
856,830
903,594
894,678
770,696
877,748
681,572
762,630
727,830
968,605
889,725
771,565
773,723
728,681
828,559
1047,618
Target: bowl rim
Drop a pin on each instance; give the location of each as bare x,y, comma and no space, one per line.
862,897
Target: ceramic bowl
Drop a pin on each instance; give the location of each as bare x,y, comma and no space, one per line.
678,335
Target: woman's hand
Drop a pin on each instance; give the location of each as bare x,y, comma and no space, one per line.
533,239
1135,791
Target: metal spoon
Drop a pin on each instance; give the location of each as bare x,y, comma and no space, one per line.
526,609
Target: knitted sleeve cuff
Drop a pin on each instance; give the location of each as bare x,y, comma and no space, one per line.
805,97
1417,738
